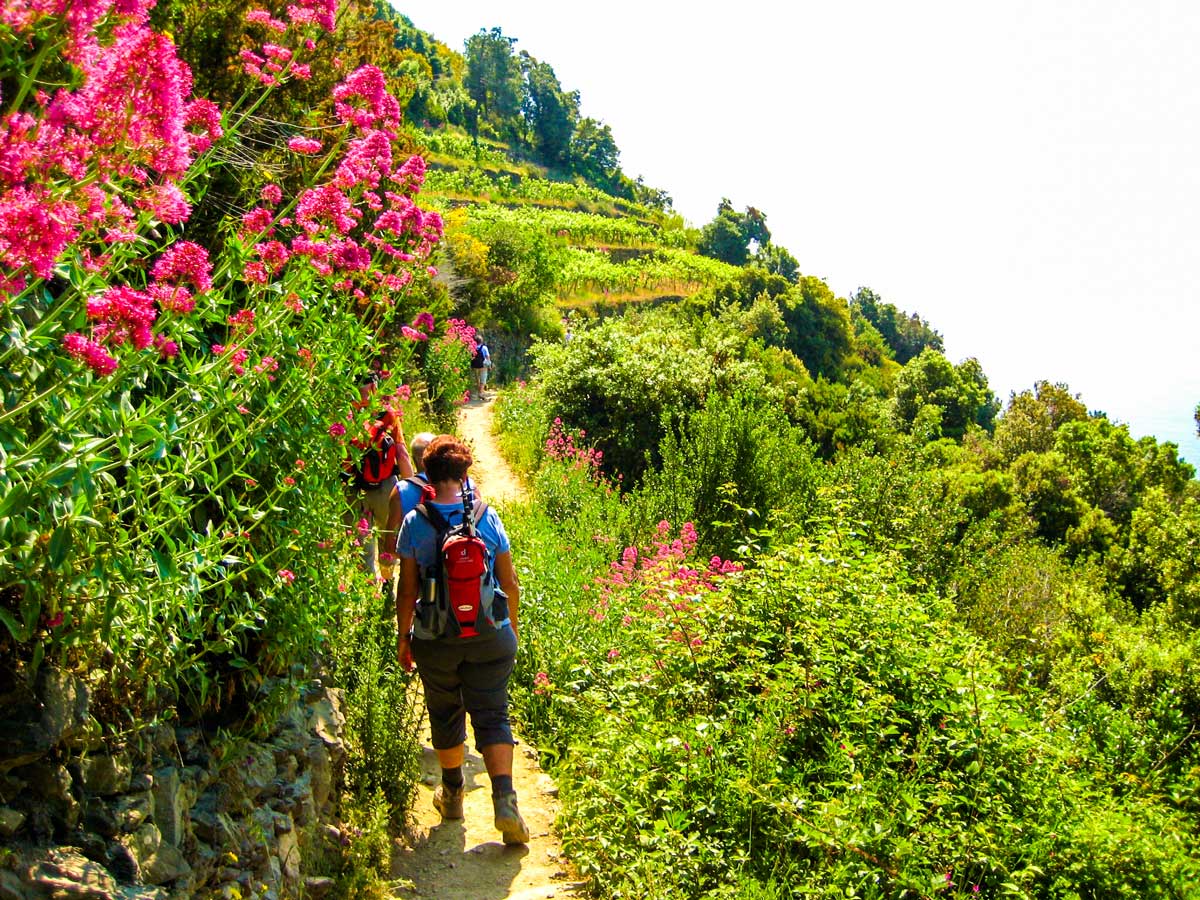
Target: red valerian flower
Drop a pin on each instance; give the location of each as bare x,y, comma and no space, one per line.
304,145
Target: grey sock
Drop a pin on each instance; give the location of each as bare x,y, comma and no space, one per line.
501,784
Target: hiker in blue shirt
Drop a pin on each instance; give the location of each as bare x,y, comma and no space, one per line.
412,489
461,675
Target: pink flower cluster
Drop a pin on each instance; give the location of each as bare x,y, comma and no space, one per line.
121,315
94,160
273,63
458,330
561,446
662,574
361,228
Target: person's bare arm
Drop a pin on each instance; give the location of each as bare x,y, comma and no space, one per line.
506,574
403,460
406,603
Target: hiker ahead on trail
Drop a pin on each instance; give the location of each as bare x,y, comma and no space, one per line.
456,612
375,474
481,362
416,488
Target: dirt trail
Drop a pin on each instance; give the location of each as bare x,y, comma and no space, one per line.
465,860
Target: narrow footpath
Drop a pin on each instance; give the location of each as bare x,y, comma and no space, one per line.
465,860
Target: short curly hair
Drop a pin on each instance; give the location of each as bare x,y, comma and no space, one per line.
447,459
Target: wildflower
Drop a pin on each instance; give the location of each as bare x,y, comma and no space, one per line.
412,334
287,576
404,392
300,464
167,203
264,18
258,219
293,302
304,145
90,352
242,320
243,410
367,84
56,620
541,683
363,527
271,193
614,653
423,322
184,261
337,429
207,116
251,484
167,349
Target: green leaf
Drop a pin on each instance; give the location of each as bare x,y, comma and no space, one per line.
15,628
60,546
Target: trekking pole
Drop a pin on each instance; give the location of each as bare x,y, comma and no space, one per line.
468,498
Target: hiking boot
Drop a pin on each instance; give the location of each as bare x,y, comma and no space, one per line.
508,819
448,801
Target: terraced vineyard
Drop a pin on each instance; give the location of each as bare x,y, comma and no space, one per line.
584,225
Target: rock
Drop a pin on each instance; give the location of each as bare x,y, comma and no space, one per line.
22,743
169,803
143,843
257,770
288,850
141,782
320,768
100,817
11,787
11,821
58,808
132,810
92,845
122,863
12,887
63,872
325,717
318,887
106,775
143,893
64,704
167,864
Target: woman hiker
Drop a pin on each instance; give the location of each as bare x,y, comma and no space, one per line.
462,675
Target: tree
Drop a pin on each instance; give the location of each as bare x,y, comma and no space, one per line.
550,113
493,78
907,334
731,236
1029,423
594,154
778,261
819,328
959,393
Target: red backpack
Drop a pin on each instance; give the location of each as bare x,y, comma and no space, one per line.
458,590
379,462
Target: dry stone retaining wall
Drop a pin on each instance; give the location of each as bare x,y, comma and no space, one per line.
166,815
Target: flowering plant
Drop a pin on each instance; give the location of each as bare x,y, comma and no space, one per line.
158,375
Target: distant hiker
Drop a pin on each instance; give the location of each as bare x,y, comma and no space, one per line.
480,363
385,460
464,662
413,489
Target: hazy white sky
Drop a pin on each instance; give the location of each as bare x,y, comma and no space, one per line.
1024,175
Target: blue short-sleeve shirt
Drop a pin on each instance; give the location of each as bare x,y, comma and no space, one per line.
418,540
410,493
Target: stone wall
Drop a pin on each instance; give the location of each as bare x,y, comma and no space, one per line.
166,814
